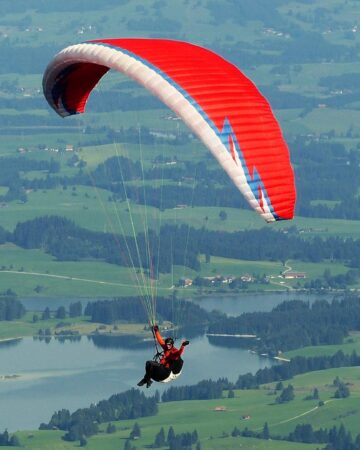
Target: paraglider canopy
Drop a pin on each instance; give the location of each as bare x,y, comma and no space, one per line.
212,96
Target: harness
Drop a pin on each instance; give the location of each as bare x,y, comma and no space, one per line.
175,372
158,355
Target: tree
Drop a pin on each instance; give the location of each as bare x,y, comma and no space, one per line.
160,439
60,312
4,438
222,215
265,432
46,314
14,441
75,309
170,435
286,395
135,432
128,446
111,428
157,396
342,391
38,288
231,393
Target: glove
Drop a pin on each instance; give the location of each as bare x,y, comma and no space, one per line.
155,328
184,343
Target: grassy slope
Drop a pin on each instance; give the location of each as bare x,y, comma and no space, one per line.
352,343
24,270
319,120
258,404
89,207
84,208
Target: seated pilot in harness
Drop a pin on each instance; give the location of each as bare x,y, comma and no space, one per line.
167,365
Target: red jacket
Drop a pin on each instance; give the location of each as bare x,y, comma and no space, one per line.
169,355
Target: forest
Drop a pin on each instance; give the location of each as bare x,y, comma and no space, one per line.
335,182
296,324
130,309
84,422
66,241
10,307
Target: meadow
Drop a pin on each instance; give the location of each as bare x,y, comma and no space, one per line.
350,344
26,326
32,272
214,428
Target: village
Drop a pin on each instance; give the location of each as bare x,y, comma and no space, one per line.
241,282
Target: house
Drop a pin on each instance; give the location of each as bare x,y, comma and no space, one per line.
292,275
220,408
247,278
185,282
227,280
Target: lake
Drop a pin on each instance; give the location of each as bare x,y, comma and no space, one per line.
71,375
232,305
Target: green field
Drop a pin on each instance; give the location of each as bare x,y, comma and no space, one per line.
82,325
214,428
90,207
351,343
24,270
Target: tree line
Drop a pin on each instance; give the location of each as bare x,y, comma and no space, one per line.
204,390
296,366
295,324
131,309
66,241
339,281
10,307
210,389
9,440
84,422
180,441
335,438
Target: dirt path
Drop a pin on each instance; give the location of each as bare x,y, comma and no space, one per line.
290,419
66,277
282,283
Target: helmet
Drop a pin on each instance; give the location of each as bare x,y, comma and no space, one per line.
169,340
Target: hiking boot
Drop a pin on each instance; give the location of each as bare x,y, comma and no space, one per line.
141,382
148,383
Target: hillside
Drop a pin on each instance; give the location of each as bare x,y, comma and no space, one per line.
302,55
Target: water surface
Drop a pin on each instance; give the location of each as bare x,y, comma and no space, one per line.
70,375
